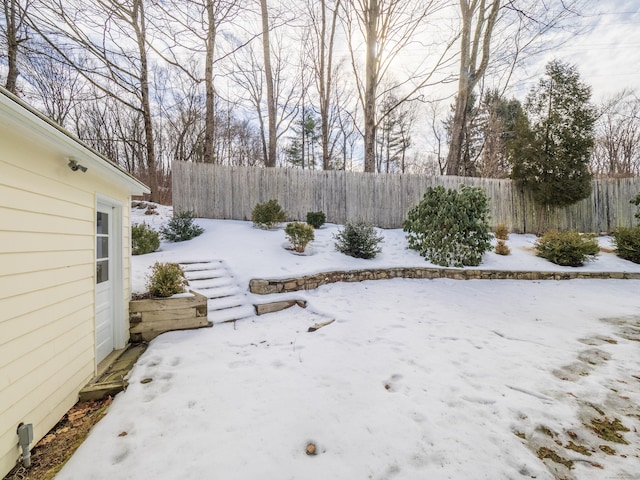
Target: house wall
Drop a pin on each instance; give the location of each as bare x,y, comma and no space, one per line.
47,285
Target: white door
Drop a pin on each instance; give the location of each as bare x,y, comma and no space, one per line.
105,321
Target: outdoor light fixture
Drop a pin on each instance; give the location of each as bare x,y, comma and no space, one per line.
75,166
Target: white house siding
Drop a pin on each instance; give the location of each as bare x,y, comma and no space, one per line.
47,280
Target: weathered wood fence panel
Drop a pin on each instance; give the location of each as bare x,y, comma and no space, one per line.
216,191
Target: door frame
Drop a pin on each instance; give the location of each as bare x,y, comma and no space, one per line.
120,334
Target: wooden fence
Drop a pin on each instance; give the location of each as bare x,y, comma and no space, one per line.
215,191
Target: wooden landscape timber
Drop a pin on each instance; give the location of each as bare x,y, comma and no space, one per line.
150,317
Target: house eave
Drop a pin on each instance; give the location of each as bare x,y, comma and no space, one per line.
23,116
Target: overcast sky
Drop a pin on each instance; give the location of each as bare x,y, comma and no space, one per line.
607,53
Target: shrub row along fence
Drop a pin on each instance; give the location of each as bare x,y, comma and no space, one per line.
223,192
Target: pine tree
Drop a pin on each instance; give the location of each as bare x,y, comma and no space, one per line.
551,152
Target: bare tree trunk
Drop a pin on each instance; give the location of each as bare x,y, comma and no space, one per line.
209,122
139,24
270,160
474,50
371,84
325,76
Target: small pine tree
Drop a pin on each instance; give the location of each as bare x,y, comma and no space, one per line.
267,215
181,228
359,240
299,235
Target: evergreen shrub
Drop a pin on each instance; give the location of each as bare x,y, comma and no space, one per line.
166,279
359,240
144,239
636,201
316,219
450,227
627,242
299,234
569,249
181,228
267,215
501,232
502,248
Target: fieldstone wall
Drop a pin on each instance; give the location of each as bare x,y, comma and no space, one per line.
309,282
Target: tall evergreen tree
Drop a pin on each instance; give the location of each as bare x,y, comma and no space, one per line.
551,152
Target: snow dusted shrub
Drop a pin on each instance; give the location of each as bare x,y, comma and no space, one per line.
267,215
450,227
502,248
627,242
316,219
569,249
166,279
501,232
144,239
299,234
181,228
358,239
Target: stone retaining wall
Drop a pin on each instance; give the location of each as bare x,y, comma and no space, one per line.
309,282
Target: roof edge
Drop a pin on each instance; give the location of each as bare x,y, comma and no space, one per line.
136,184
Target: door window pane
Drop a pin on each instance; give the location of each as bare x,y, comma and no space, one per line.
102,271
102,223
102,247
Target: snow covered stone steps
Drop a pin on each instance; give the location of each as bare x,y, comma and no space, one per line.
226,301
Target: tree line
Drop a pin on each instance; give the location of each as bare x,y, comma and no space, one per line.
320,84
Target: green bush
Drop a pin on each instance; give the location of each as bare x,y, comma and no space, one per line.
627,242
636,201
316,219
569,249
450,227
181,228
267,215
144,239
299,234
166,279
358,239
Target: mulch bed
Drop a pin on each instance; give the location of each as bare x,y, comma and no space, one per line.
51,453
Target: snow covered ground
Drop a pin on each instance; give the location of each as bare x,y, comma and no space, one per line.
415,379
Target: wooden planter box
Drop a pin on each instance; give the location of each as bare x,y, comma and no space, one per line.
150,317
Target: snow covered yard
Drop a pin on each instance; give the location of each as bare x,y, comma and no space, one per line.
415,379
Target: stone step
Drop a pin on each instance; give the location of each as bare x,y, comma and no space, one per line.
230,301
187,266
208,283
206,274
218,292
231,314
